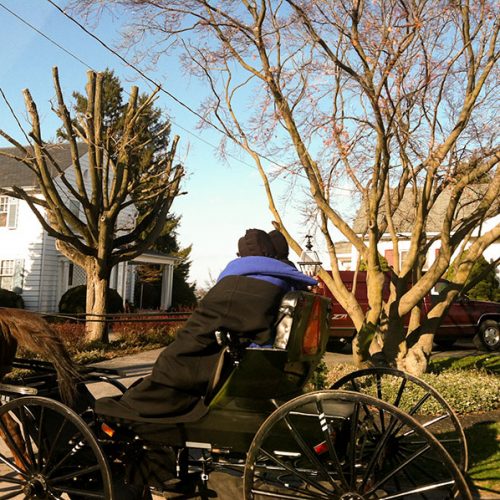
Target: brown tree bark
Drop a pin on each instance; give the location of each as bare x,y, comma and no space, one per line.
393,97
98,237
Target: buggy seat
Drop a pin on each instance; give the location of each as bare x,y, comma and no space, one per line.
250,382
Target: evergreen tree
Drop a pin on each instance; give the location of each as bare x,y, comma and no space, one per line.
154,132
483,283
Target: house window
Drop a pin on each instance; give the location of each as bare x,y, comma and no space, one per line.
8,212
402,258
7,268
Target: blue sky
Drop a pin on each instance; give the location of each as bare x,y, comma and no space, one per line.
223,198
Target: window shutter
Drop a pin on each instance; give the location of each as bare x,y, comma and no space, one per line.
18,278
12,213
389,256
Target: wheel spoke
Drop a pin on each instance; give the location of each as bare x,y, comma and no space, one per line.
424,471
83,493
79,473
27,437
399,395
307,451
331,447
71,453
53,447
13,446
419,404
399,468
272,494
293,471
39,437
12,465
13,494
427,424
11,479
351,447
420,490
381,444
357,388
378,379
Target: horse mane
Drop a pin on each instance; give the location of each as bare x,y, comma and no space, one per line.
30,330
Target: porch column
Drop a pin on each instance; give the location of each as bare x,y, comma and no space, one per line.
62,285
121,284
166,286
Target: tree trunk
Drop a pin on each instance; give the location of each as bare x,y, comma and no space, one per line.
96,328
417,358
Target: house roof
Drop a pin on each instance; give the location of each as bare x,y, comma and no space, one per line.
154,257
404,215
15,173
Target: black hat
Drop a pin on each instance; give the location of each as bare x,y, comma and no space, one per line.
280,244
256,243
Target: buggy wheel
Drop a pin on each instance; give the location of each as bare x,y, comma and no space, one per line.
49,452
418,399
348,446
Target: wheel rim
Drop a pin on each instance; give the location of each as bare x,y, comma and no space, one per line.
491,336
418,399
56,453
326,455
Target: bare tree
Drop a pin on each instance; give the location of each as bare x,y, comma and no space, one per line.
103,187
390,98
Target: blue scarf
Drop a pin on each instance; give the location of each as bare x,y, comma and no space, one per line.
271,270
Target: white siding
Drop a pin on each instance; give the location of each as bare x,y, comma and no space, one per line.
24,242
45,276
490,254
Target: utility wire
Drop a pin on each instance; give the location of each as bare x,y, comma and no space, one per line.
156,84
130,65
141,73
71,54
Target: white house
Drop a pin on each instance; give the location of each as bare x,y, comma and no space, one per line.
403,221
31,265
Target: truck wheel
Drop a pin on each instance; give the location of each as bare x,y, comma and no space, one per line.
489,334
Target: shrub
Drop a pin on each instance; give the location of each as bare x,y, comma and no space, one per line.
319,377
10,299
466,390
75,299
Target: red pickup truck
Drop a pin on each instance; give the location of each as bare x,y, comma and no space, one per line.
466,317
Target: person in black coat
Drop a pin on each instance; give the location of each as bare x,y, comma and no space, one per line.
244,300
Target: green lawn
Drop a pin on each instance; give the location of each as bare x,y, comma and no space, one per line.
484,456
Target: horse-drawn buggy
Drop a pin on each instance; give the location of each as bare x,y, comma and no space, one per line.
377,433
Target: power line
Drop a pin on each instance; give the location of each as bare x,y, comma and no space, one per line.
130,65
159,86
71,54
143,75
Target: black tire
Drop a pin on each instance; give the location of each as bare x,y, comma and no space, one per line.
489,334
335,345
57,453
418,399
343,444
